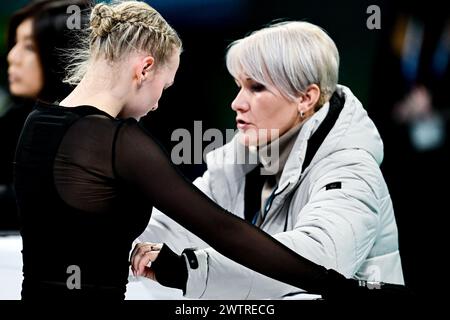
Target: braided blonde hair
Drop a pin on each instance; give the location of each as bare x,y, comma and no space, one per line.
119,28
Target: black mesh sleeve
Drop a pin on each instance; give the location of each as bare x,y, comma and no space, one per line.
144,165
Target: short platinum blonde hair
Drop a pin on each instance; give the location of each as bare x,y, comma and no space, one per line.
119,28
289,55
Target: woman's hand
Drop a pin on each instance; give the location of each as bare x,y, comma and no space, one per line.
169,270
143,254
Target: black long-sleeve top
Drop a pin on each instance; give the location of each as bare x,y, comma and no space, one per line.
86,183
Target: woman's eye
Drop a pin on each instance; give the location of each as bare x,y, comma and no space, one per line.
257,87
30,47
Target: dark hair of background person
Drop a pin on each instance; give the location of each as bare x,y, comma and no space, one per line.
50,34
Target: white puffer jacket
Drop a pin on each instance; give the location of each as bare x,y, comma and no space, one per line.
351,229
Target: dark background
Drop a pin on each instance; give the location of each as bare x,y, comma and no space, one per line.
203,90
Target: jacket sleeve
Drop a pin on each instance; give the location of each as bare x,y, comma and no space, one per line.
162,228
336,228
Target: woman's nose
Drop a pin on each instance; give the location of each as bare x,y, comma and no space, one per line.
240,103
12,57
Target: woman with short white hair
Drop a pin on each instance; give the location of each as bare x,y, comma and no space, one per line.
324,196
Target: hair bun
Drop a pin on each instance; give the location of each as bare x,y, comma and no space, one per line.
102,19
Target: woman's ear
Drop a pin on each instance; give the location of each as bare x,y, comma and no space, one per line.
144,68
308,101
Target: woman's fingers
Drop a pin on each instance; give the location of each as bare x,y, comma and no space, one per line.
135,255
137,251
142,255
145,259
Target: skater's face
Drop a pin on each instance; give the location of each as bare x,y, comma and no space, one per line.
150,82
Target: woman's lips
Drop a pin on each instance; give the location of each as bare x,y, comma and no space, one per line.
242,125
13,78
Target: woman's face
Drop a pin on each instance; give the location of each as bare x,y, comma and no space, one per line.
263,114
24,72
151,91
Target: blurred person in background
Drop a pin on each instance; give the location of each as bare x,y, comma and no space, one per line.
410,104
37,33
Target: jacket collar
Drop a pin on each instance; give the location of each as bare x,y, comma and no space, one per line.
274,155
